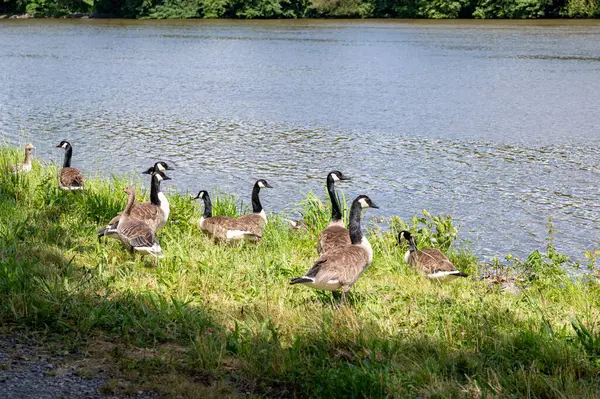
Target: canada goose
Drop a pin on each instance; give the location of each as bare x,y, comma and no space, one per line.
214,226
430,261
69,178
135,234
249,227
154,213
341,266
256,221
335,234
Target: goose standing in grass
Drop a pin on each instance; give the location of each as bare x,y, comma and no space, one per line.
25,167
340,267
69,178
135,234
335,235
154,213
430,261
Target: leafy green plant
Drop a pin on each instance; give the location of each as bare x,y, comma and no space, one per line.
588,334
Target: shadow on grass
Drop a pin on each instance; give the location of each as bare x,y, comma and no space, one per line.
341,357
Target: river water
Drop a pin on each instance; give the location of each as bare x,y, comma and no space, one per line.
495,123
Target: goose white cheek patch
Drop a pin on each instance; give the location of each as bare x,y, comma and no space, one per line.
363,203
335,177
261,184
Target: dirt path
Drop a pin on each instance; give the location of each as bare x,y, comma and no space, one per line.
28,371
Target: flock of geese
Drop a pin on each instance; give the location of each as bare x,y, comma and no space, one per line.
344,252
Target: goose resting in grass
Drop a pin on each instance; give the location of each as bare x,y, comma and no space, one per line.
154,213
69,178
340,267
335,235
430,261
25,167
135,234
249,227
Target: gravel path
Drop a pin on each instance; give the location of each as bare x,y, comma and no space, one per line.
29,371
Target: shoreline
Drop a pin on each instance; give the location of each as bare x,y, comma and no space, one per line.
224,320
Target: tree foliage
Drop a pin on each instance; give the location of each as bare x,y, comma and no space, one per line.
309,8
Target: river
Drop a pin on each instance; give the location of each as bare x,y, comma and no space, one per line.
495,122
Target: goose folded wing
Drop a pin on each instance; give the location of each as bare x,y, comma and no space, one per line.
70,177
216,226
147,213
254,224
343,264
333,237
137,234
432,259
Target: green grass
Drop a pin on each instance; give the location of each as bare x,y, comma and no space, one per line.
226,319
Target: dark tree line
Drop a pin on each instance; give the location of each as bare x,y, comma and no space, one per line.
308,8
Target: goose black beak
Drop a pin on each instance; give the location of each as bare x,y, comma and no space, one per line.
268,185
345,178
167,178
148,171
373,205
58,146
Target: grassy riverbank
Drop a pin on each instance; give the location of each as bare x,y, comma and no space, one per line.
218,321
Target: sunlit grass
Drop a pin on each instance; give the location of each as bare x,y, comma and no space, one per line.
229,313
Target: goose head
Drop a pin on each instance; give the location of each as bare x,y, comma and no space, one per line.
201,194
64,145
160,176
366,202
129,190
262,183
405,235
160,166
29,148
336,175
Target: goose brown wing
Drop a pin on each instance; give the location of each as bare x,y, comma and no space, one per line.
136,233
148,213
344,264
333,237
217,226
71,177
255,224
432,259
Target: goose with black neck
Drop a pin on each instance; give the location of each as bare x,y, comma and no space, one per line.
252,225
154,213
69,178
340,267
335,235
135,234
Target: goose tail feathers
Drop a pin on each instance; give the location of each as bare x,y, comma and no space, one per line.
438,274
302,280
